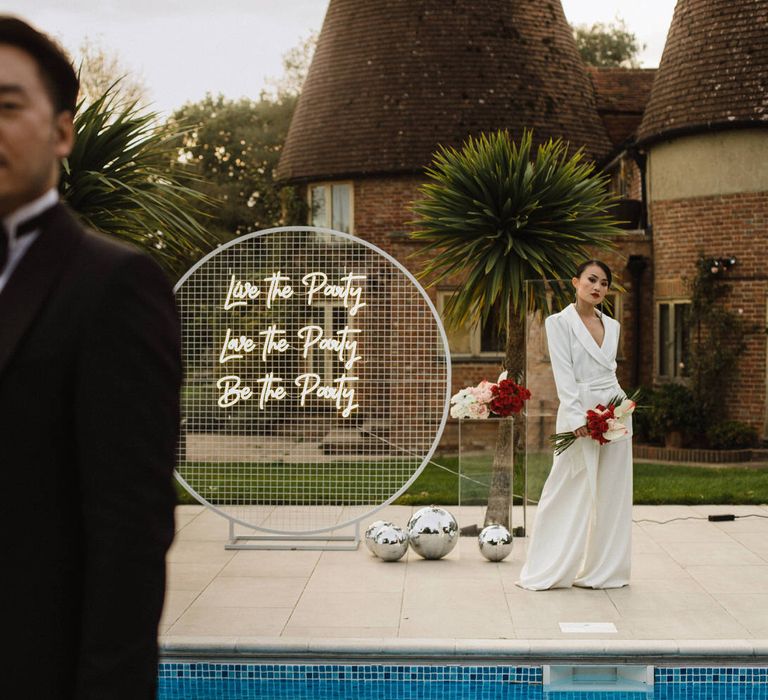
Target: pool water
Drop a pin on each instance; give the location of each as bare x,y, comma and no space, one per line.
209,681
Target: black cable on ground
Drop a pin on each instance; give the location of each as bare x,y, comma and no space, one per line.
711,518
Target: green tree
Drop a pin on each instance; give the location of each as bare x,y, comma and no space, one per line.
118,179
608,45
496,215
233,148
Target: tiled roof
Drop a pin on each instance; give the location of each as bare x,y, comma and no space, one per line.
622,94
714,69
392,80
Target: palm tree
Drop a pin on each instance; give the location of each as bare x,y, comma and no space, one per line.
496,216
119,179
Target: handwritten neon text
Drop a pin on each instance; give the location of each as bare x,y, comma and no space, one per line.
318,282
309,383
240,292
344,346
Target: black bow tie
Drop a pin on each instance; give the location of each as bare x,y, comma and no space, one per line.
22,229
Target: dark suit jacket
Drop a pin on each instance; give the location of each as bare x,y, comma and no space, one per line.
90,372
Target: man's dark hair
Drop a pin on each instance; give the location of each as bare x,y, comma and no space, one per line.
58,75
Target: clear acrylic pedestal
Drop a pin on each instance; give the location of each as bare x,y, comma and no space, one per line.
486,468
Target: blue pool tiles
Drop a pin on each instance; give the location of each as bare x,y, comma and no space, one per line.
357,672
743,675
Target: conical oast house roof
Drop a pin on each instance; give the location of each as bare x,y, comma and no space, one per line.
714,69
391,80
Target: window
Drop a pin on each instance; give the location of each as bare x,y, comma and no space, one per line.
673,333
331,206
474,340
621,179
332,318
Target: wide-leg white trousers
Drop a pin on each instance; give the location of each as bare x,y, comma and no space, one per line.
573,544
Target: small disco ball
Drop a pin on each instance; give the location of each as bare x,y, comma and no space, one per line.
433,532
390,542
495,542
370,533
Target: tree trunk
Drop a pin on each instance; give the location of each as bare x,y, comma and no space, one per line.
500,493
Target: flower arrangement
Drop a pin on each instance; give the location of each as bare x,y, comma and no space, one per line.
604,423
503,398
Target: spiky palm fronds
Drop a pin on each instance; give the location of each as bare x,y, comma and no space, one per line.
497,215
118,179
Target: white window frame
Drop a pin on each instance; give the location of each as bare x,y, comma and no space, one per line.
329,360
328,185
475,335
676,375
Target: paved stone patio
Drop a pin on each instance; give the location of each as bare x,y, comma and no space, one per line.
691,579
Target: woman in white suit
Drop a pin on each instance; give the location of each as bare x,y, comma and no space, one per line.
583,528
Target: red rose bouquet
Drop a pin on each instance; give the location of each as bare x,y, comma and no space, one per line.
604,423
508,397
503,398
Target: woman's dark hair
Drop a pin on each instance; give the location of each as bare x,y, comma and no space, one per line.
607,270
56,71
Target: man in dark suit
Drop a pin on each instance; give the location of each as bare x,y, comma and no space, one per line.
90,373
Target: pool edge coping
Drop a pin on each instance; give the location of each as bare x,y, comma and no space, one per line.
711,651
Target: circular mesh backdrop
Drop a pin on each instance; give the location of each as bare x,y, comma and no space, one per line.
317,380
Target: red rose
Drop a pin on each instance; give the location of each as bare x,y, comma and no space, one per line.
508,397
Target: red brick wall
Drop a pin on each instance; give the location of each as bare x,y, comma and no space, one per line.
382,207
382,210
719,226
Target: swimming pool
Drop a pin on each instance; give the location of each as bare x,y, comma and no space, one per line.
241,681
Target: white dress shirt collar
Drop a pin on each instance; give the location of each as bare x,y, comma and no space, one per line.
28,211
18,248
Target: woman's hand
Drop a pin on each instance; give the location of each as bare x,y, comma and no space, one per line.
581,432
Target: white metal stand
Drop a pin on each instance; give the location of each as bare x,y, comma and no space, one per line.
293,542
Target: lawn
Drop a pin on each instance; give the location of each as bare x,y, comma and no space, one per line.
439,483
654,484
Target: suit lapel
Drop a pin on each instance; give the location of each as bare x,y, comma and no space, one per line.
25,293
586,339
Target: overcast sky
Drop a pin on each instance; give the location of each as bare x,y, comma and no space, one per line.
184,48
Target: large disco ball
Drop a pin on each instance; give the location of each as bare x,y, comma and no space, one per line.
433,532
495,542
390,542
370,533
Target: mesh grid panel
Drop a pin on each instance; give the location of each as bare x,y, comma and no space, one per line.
306,408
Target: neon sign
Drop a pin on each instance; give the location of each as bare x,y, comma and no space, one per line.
343,344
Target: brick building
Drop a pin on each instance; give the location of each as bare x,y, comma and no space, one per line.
706,144
686,148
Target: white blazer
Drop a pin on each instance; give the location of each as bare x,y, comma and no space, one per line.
585,372
585,375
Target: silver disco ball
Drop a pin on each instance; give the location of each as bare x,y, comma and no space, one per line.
495,542
390,542
370,533
433,532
